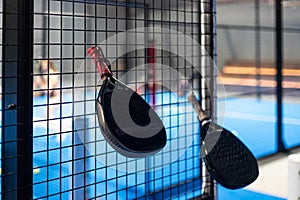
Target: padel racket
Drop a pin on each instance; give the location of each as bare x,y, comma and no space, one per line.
126,120
226,158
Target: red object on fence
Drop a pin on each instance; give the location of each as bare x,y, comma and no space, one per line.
151,72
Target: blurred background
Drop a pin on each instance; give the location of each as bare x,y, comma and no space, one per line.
246,58
239,38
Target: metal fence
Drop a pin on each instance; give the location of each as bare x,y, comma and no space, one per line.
52,147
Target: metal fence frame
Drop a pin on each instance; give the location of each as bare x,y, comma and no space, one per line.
17,97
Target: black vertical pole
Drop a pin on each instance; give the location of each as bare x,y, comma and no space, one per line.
257,47
278,14
213,189
17,98
207,14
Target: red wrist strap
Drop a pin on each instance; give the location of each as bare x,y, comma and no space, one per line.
102,64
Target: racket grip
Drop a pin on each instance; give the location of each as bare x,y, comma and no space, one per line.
102,64
200,112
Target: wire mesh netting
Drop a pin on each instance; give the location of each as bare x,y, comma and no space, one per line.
51,140
71,158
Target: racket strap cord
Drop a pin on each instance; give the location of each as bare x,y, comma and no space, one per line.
102,63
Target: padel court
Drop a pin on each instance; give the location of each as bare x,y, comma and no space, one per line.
149,99
261,142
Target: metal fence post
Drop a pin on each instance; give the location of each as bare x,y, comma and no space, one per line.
17,99
278,10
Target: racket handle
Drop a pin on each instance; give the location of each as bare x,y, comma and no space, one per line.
102,64
200,112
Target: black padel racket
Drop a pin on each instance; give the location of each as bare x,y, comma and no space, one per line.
126,120
226,158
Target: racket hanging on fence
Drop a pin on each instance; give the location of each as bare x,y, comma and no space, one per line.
226,158
130,126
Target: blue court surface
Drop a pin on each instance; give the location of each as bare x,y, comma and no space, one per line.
243,194
252,121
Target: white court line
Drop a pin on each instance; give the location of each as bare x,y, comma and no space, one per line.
264,118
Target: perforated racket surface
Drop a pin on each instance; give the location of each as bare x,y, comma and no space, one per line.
226,158
229,162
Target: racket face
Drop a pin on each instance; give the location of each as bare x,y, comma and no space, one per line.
136,139
229,161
